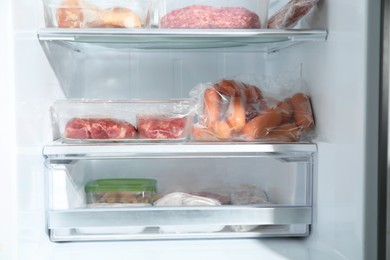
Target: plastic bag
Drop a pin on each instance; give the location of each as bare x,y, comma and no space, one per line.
290,14
250,108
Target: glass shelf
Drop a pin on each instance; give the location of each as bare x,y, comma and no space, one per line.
183,39
65,151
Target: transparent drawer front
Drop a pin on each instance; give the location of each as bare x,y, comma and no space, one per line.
227,196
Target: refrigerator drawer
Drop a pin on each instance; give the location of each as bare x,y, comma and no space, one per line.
199,190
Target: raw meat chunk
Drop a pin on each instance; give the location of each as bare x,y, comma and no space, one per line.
105,128
160,127
209,17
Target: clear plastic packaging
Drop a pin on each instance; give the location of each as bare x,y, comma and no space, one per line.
97,13
186,199
211,14
104,120
247,194
253,109
290,14
120,192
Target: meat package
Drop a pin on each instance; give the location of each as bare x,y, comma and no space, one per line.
122,121
230,14
290,14
97,13
233,110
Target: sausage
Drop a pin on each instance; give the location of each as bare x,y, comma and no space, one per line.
290,14
236,114
212,106
253,94
222,130
201,133
258,127
303,114
287,132
285,108
219,131
229,88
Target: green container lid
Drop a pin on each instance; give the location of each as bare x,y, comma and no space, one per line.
121,185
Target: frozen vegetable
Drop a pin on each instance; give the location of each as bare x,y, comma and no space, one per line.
209,17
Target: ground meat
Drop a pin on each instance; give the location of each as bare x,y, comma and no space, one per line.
160,127
209,17
104,128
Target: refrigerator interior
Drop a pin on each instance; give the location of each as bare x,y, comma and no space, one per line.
340,74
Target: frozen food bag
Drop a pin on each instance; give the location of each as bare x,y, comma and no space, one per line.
254,108
247,194
186,199
290,14
97,13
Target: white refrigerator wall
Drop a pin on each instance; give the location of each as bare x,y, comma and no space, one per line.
342,77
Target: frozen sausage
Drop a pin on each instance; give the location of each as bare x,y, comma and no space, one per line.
201,133
229,88
236,114
303,114
259,126
287,132
285,108
212,106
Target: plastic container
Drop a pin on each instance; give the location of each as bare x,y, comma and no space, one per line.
117,121
212,14
116,192
97,13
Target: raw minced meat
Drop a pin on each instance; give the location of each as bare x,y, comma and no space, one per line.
209,17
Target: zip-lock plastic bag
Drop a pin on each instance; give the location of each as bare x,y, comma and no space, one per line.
252,108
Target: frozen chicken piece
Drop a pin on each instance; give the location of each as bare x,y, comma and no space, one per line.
80,14
185,199
247,194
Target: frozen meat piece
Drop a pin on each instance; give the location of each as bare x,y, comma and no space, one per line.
185,199
247,194
161,127
80,14
289,15
225,200
104,128
209,17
